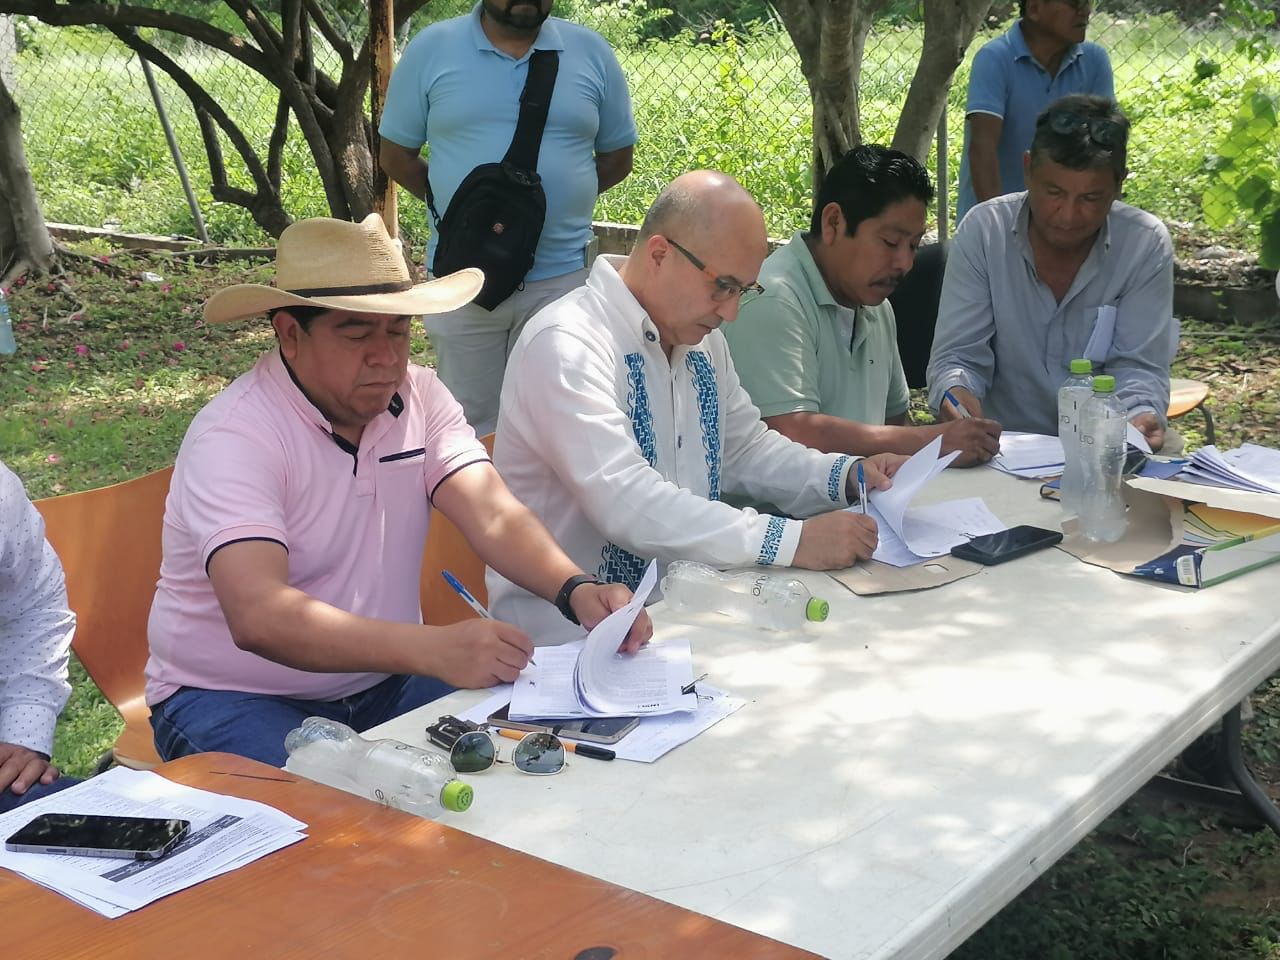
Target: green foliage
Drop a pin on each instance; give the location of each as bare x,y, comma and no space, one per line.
1244,174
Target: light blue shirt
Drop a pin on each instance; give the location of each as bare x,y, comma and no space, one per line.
1004,337
456,92
1008,82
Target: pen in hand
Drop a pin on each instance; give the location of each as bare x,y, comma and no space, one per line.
468,599
862,490
961,411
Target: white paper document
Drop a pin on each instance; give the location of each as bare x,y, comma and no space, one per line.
1249,467
591,679
656,736
935,529
1104,332
1033,455
226,832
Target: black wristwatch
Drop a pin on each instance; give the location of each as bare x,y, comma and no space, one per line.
562,598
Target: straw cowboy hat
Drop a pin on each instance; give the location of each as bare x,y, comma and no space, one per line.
343,266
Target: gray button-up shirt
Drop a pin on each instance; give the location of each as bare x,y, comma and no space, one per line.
1003,337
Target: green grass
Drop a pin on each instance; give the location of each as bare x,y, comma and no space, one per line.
97,151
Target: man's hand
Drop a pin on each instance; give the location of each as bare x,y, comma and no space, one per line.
592,602
1149,425
977,440
946,412
20,768
478,653
876,474
836,540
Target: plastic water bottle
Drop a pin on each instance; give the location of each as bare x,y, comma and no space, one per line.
1071,397
1102,450
779,603
389,772
7,343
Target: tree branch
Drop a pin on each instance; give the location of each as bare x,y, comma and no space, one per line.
279,134
331,35
119,15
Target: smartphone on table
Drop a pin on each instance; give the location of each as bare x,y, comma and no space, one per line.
590,729
90,835
993,548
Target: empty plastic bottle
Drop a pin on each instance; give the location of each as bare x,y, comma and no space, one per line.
1102,450
1071,397
779,603
7,343
390,772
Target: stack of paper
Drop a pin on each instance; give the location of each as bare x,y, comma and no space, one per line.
1250,467
591,679
1031,455
226,833
910,535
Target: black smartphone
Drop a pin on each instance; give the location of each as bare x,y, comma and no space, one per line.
90,835
993,548
593,729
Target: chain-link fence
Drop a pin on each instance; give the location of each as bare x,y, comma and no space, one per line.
717,85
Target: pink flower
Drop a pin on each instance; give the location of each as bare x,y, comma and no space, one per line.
82,350
52,458
37,368
179,347
166,287
24,327
124,344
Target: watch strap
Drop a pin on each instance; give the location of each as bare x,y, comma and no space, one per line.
562,598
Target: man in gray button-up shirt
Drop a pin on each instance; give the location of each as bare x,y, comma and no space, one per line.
1064,270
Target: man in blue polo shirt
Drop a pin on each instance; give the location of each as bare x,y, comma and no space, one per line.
457,89
1044,56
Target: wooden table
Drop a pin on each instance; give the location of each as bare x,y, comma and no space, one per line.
369,882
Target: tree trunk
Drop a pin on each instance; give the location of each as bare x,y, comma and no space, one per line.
830,36
24,239
949,26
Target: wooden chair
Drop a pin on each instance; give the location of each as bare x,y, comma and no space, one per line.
447,549
108,540
1188,395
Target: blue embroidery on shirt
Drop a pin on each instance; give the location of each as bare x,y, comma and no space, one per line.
833,480
620,566
772,540
638,407
704,382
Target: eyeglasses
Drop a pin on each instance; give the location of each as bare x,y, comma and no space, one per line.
726,288
1104,132
472,750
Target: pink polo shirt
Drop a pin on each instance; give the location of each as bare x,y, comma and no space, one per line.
261,462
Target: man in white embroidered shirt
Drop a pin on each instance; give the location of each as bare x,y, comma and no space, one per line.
36,626
622,421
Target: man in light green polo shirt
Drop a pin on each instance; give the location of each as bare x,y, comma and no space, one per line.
818,350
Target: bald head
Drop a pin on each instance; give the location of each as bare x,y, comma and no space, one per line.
707,208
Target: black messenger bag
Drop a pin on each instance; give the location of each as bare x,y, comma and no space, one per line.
496,215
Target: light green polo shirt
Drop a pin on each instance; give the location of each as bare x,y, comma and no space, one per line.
797,350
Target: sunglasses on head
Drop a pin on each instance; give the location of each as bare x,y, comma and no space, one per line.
472,749
1103,131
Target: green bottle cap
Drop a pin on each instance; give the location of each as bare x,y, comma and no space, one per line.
1081,366
1104,383
816,609
456,796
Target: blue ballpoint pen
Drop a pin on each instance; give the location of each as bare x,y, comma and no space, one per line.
961,412
862,490
470,601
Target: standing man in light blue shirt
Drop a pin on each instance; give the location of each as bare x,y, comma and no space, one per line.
1043,56
457,90
1062,271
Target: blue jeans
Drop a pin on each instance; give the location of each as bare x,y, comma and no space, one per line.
9,799
254,725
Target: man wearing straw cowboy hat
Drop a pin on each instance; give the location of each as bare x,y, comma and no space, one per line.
298,512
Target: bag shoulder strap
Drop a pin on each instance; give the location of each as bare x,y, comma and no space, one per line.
535,104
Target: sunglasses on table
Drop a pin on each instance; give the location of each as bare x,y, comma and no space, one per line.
1104,132
472,749
726,288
